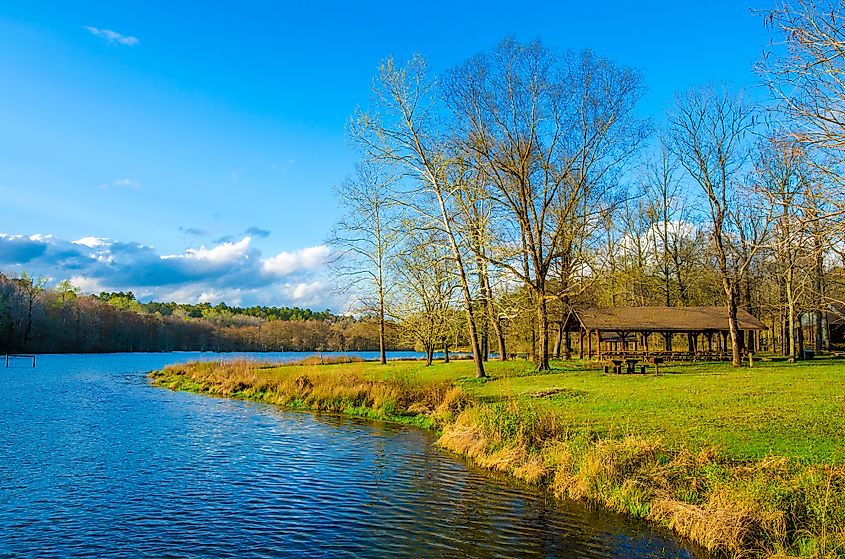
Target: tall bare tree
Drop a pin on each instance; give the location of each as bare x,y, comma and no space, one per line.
710,133
781,177
671,225
547,128
403,129
364,241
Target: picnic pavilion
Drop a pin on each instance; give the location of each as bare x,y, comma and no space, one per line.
632,331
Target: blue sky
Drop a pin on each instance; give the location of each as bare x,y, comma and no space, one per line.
141,143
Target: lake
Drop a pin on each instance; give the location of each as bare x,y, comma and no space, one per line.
94,462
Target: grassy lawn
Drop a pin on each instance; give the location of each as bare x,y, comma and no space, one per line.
795,410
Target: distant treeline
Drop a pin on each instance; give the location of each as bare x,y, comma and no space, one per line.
35,318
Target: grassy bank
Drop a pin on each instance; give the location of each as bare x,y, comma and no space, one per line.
744,462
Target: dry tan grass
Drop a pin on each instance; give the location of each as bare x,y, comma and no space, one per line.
327,360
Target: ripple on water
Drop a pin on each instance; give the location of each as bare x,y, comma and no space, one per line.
96,463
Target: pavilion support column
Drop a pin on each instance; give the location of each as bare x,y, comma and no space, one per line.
646,336
598,342
580,343
709,342
589,344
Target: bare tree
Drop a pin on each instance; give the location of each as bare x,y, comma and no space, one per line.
546,128
402,130
781,176
427,287
710,131
365,240
804,71
671,226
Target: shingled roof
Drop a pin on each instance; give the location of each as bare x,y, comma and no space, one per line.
658,319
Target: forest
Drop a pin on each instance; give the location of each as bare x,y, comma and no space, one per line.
492,197
42,319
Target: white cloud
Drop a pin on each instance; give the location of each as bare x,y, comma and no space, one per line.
127,183
225,253
92,242
306,293
113,37
287,263
87,285
131,184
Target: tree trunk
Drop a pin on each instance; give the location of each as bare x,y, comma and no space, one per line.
445,352
28,331
791,316
541,356
382,351
491,316
459,264
558,341
500,337
567,348
733,326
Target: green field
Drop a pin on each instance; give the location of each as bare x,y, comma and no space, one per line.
786,409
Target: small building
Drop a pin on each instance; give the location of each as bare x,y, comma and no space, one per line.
631,330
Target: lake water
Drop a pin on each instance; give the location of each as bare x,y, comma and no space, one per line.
94,462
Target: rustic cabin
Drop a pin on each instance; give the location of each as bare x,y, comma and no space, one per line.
676,332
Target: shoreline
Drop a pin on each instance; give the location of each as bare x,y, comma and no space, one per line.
716,502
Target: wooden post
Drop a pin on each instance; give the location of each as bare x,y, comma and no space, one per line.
580,343
598,342
7,360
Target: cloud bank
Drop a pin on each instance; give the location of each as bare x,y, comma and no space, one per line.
234,271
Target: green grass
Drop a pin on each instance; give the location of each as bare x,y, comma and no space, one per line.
793,410
784,409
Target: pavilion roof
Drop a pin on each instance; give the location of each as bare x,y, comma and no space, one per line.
658,319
